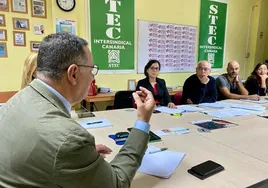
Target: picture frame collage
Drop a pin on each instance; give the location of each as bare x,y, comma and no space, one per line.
21,25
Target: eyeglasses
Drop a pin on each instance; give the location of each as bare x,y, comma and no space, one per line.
205,69
94,70
154,68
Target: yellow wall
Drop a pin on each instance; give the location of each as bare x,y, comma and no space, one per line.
259,23
263,27
237,33
171,11
254,23
11,67
265,53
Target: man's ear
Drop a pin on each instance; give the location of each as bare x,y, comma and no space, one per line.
72,74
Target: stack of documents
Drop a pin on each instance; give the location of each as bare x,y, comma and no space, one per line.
97,123
180,109
160,163
230,112
215,105
188,108
104,90
169,110
249,107
262,101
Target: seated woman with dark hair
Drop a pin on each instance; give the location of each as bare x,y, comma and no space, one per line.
257,82
156,85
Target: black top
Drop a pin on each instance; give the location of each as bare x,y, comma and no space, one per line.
253,87
162,95
198,92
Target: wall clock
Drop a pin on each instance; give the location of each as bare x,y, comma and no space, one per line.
66,5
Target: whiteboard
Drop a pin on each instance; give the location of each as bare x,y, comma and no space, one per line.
174,46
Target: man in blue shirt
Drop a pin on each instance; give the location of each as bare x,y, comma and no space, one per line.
200,87
230,86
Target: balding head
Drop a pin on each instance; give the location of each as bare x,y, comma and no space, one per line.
203,68
233,63
233,69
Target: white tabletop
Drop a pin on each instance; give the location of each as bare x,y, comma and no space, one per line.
241,150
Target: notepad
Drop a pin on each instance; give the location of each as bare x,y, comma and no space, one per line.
161,164
96,123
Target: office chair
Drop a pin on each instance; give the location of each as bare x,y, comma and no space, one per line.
122,99
178,98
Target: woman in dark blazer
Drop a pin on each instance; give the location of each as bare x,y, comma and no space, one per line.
156,85
257,81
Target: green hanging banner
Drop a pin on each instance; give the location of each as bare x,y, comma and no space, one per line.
112,34
212,32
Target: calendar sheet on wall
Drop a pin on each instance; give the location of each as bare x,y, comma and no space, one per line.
174,46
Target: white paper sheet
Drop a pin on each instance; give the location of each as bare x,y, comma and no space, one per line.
161,164
96,123
215,105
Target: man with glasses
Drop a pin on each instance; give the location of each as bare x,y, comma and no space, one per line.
41,146
200,87
230,86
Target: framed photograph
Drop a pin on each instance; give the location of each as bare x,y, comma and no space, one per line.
3,49
34,45
3,35
19,38
4,6
38,29
19,6
39,8
2,20
20,24
131,85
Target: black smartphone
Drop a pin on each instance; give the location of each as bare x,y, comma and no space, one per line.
85,114
153,137
206,169
262,184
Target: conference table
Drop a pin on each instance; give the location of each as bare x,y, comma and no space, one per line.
241,149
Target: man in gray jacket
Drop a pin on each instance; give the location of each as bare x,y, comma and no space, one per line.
41,146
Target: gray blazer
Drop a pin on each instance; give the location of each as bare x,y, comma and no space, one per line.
41,146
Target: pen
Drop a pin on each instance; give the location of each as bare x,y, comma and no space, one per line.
94,122
203,112
162,149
